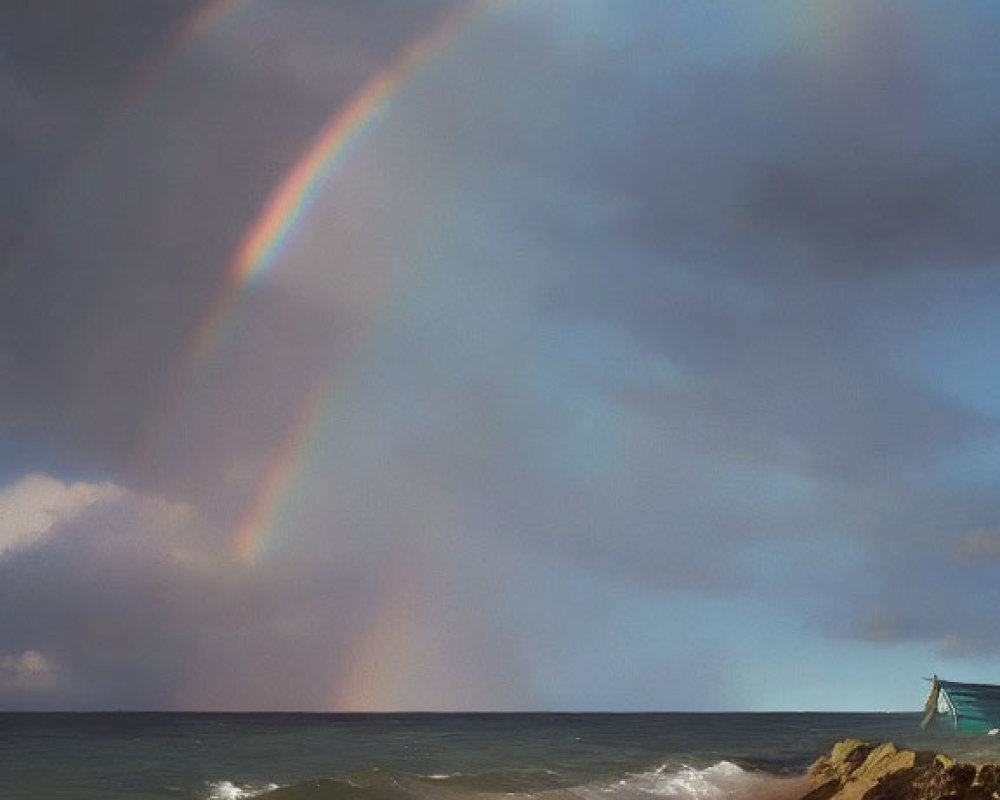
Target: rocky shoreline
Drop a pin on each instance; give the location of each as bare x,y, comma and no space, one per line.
857,770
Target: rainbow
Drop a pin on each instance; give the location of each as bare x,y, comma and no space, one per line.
198,25
207,17
287,207
246,539
282,215
268,236
376,674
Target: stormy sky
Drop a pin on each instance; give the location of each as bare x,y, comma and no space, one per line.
615,355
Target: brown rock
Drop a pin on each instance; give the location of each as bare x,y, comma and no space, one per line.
988,778
856,770
844,758
883,760
943,778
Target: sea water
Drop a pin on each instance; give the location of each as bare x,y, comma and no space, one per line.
141,756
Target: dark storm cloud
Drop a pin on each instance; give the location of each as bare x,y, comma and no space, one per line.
63,67
880,210
837,160
802,367
104,39
916,596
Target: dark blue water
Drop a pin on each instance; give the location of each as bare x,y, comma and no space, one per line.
141,756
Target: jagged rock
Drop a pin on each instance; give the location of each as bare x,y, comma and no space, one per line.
989,778
856,770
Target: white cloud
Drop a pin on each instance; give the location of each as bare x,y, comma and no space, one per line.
33,505
30,671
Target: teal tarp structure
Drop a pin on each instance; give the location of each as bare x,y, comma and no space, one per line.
968,706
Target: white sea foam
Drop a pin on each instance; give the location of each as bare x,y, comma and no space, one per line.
723,779
227,790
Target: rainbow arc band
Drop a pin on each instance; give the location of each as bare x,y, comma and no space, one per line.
270,233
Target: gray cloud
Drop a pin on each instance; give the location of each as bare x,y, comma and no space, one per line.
652,315
919,586
63,69
867,155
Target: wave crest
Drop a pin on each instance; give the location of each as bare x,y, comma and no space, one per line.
227,790
724,779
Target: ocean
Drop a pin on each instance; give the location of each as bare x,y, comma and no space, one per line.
142,756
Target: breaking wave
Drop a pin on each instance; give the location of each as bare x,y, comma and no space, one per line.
227,790
723,779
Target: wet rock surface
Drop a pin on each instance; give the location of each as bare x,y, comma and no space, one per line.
857,770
